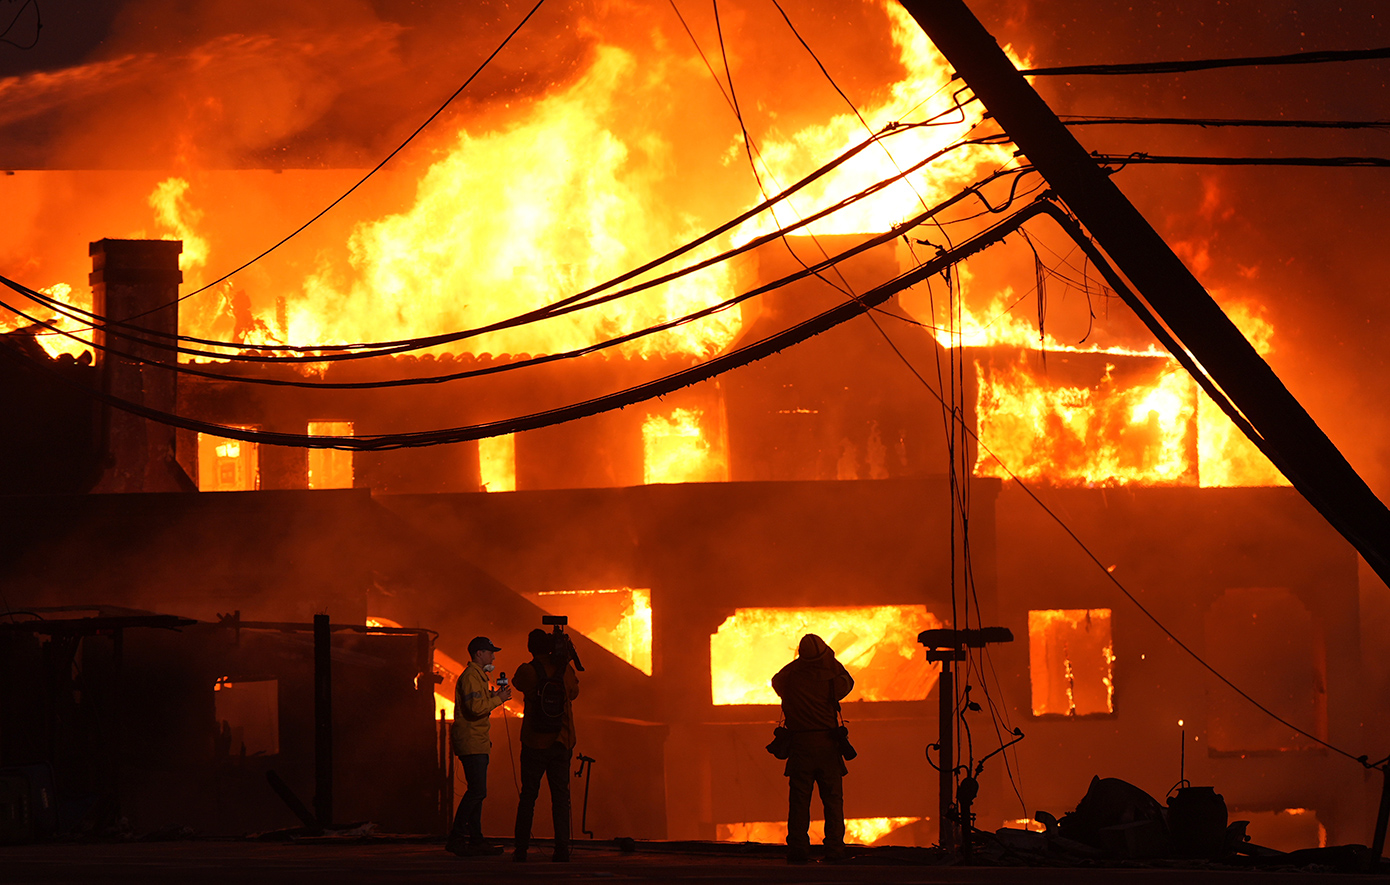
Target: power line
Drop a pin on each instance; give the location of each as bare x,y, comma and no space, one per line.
659,387
1074,231
400,147
696,315
329,353
1206,64
960,487
1161,160
1215,123
38,25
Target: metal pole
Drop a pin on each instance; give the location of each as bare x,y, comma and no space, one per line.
323,722
947,756
1382,820
1286,432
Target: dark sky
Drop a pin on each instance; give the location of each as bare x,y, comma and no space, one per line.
337,84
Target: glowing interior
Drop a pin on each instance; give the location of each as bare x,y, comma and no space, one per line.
877,644
858,831
330,468
1071,659
227,465
618,620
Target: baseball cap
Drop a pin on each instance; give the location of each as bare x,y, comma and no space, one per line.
481,643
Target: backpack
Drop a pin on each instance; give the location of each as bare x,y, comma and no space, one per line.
545,706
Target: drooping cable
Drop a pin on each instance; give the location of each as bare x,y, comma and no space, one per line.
1218,123
619,399
1139,157
530,361
1073,229
1207,64
329,353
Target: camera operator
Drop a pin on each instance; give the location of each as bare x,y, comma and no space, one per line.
549,683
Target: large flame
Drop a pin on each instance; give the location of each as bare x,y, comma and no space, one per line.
877,644
1105,434
922,93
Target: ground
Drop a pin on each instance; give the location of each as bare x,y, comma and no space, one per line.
424,861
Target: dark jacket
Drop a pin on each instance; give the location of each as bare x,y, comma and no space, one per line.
811,687
525,680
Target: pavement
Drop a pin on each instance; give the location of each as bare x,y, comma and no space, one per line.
345,861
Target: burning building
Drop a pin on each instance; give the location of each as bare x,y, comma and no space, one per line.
692,538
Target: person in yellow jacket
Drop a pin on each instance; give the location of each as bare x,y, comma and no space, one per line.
474,702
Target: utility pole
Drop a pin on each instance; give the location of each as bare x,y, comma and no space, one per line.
1293,440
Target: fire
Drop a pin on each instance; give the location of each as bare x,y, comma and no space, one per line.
788,158
1104,433
497,463
516,216
1071,661
227,465
619,620
679,448
178,217
877,644
858,831
1153,426
330,468
1228,457
53,343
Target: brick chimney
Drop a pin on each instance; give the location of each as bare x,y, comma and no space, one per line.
137,281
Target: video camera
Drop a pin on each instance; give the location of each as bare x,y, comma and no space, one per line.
563,652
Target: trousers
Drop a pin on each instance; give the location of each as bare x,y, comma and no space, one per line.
552,763
826,772
468,820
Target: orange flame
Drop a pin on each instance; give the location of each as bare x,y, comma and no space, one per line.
1104,434
858,830
877,644
1071,661
680,448
619,620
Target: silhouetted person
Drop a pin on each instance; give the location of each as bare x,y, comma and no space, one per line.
474,702
811,688
549,684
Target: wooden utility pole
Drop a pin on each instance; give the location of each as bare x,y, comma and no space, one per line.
1293,440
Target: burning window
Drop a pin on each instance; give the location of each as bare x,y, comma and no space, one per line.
877,644
619,621
248,716
227,465
330,468
683,447
1071,659
1088,419
497,463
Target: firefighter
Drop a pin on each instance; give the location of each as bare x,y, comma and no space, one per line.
811,688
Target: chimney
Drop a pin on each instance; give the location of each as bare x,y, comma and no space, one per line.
137,281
